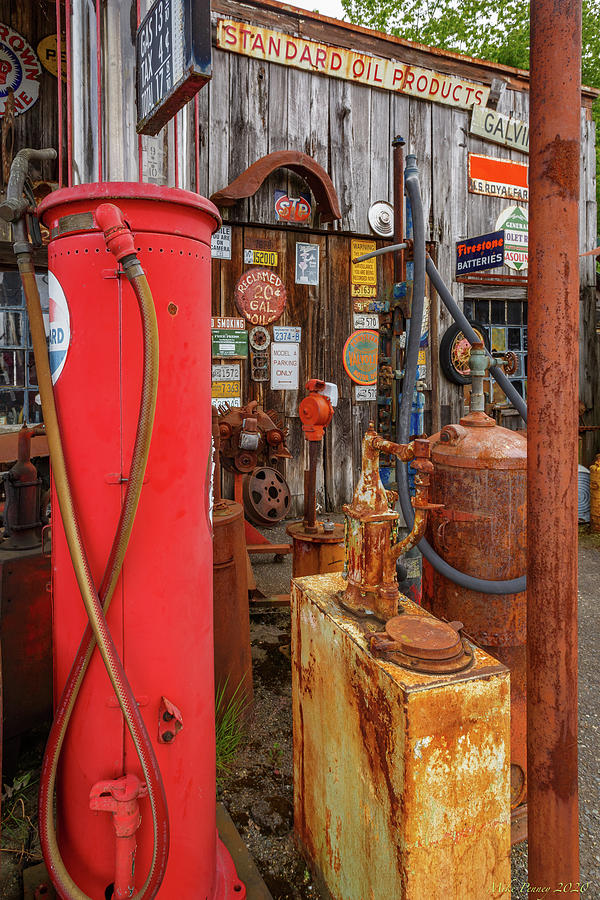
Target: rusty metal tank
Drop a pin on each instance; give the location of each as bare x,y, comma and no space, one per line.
233,659
479,476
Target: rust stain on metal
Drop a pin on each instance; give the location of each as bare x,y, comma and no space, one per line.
371,523
561,166
480,478
407,786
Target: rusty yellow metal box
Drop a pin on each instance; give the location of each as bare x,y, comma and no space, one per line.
401,780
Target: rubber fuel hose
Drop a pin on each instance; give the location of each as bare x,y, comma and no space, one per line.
97,603
471,582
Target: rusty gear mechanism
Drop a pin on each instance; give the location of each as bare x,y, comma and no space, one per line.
251,437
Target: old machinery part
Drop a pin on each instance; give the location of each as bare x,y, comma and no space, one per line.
23,489
259,366
250,437
259,338
120,243
371,528
423,644
455,350
508,360
381,218
266,496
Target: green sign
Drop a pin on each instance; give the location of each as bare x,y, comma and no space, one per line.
229,342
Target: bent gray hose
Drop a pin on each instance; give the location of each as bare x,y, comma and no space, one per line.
467,329
484,585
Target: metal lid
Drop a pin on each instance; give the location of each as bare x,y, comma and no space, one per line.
381,218
421,637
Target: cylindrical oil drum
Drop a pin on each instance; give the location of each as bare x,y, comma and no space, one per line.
316,553
479,475
233,657
161,612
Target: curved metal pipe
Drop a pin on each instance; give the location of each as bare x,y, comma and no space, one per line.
509,586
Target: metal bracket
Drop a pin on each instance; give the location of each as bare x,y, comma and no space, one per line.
170,721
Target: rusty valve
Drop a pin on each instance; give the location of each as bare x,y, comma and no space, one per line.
371,526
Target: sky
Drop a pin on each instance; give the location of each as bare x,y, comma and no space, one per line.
331,8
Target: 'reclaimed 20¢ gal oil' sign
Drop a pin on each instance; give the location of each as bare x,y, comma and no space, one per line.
260,296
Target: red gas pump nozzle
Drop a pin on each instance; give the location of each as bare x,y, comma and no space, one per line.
316,412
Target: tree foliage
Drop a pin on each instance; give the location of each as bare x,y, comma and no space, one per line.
496,30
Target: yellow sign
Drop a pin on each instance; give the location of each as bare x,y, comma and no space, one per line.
226,389
364,272
363,290
260,257
46,50
361,68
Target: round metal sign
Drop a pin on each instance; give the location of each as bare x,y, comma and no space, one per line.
259,338
360,356
20,71
260,296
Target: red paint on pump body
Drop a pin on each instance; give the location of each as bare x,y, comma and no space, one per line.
161,613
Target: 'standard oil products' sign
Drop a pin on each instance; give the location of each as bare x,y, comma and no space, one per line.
173,59
361,68
20,71
500,129
483,252
498,177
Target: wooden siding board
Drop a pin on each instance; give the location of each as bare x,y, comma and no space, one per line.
341,157
258,132
381,146
219,90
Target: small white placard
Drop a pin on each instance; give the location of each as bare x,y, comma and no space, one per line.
220,244
287,334
365,392
365,321
285,366
226,372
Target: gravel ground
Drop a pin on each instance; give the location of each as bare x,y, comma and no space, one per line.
280,864
259,793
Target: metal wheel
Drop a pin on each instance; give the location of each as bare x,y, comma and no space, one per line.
266,496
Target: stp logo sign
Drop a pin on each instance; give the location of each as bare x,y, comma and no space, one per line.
292,209
20,71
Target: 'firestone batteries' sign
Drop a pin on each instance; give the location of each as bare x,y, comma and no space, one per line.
173,59
477,253
260,296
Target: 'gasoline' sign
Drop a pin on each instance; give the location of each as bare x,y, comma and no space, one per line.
260,296
173,59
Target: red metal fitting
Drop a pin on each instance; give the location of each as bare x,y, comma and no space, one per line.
315,411
120,797
117,233
170,721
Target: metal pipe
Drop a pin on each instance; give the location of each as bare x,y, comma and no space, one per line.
99,87
399,260
197,140
310,487
509,586
552,807
465,326
389,249
69,105
59,93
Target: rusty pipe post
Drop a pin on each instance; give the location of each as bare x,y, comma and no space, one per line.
399,256
552,443
310,487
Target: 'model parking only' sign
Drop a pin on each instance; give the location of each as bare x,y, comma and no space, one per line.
173,59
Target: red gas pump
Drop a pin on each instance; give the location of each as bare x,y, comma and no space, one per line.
160,617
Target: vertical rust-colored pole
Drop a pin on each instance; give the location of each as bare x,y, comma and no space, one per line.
399,258
552,799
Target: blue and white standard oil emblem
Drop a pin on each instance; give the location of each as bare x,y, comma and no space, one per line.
20,71
59,336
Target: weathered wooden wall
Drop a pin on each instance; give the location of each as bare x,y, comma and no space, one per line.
38,126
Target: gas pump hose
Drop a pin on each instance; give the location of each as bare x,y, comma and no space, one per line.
423,264
120,242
